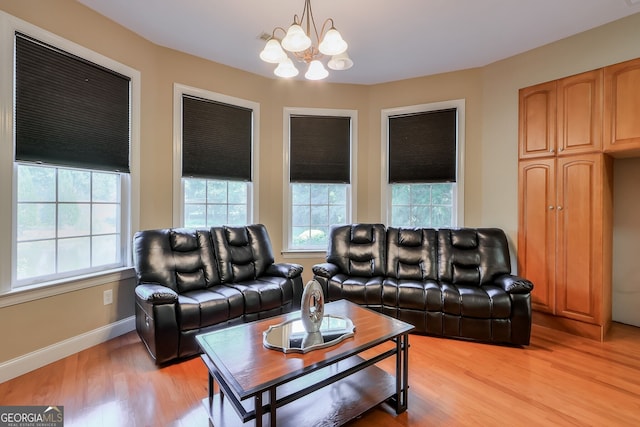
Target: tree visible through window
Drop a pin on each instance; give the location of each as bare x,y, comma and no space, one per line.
314,208
422,205
209,202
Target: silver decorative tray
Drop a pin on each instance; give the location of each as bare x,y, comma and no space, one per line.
291,337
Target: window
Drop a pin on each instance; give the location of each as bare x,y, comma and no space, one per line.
319,148
209,202
423,182
69,164
68,220
216,141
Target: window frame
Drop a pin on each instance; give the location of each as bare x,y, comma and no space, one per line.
385,186
287,249
10,294
178,186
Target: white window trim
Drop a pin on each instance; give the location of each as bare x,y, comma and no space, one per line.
8,296
385,197
351,190
178,190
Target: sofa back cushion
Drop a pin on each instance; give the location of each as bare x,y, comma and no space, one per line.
179,258
412,253
358,249
472,256
244,253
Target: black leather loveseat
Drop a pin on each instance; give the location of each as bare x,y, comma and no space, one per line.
446,282
195,280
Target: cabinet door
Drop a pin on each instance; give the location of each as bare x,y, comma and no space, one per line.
537,229
622,109
580,243
580,113
537,120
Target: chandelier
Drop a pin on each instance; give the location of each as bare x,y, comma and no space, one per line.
302,47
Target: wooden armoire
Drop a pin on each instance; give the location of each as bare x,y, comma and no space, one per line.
569,130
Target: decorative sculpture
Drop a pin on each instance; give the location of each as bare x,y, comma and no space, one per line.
312,306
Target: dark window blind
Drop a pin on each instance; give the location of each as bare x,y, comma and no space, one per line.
320,148
216,139
422,147
69,111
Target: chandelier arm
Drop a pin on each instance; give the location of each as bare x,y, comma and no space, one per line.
273,33
311,21
324,25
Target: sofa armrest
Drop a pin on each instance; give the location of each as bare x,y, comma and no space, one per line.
514,284
153,293
284,269
326,270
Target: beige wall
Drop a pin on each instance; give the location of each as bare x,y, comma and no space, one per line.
491,144
626,241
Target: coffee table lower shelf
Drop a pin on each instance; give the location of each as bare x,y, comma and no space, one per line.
332,405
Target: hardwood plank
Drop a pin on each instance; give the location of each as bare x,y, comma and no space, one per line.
560,379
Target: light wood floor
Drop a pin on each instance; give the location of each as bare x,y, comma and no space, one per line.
559,379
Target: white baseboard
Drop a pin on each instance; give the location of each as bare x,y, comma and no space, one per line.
26,363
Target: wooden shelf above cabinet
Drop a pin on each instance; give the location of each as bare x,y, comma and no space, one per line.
622,109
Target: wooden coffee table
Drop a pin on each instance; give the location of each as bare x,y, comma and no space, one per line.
328,386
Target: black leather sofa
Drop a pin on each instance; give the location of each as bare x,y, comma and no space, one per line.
446,282
195,280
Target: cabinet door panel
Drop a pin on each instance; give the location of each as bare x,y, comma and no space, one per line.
580,113
622,108
537,117
579,268
536,230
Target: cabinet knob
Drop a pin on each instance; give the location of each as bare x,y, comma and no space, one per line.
550,207
552,150
559,208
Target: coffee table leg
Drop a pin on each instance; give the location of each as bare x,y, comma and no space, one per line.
402,372
210,388
258,409
272,405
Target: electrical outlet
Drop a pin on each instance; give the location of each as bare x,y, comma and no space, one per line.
107,297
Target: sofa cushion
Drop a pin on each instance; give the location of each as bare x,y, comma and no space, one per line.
244,253
264,293
486,302
411,253
425,295
205,307
180,259
472,256
360,290
358,249
183,240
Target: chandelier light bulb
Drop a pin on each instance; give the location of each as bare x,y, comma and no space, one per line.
296,40
316,71
340,62
272,52
286,69
332,43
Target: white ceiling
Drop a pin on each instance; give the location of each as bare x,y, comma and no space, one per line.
388,40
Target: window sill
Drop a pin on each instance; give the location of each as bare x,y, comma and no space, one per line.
44,290
299,253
